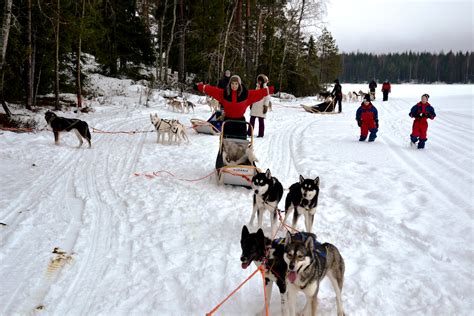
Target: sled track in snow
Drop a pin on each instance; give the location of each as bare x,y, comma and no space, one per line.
106,177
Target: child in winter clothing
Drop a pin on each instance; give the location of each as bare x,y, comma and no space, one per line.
421,112
235,98
368,120
259,108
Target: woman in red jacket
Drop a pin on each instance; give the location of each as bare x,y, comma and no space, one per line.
235,99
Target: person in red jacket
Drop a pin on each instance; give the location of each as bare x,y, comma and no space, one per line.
368,120
386,89
421,112
235,98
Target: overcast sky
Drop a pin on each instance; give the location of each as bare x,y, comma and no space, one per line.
382,26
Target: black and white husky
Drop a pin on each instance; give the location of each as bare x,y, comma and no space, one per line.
260,249
268,192
61,124
308,263
303,199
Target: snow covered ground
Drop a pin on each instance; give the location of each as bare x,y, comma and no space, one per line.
401,217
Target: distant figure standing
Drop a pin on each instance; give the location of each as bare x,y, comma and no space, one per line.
259,108
372,87
386,89
223,83
421,112
337,94
367,119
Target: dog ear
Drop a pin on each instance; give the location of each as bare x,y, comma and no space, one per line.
245,232
260,234
316,181
268,174
287,238
309,244
301,179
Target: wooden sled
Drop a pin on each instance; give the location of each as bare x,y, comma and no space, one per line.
314,109
239,175
204,127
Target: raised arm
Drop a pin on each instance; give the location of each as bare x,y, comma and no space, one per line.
212,91
257,95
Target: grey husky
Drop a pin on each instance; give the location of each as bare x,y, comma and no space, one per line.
308,263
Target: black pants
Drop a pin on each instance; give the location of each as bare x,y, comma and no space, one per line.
385,95
235,128
339,102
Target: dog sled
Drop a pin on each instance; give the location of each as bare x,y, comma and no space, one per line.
212,126
326,107
235,162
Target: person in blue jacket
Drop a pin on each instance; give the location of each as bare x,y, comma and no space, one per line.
367,119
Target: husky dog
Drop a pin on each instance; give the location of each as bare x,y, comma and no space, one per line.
303,199
62,124
260,249
176,104
188,105
162,127
234,153
324,94
179,131
213,104
268,192
308,263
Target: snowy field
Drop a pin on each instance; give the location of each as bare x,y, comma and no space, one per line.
401,217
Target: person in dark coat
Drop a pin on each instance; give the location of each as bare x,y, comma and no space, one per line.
337,94
421,112
224,81
367,119
386,89
372,87
236,99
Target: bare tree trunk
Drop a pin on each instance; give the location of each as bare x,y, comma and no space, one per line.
248,56
299,33
159,74
78,59
258,37
29,64
170,43
226,38
146,12
56,59
182,42
7,14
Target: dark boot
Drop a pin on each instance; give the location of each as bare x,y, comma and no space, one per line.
413,139
362,138
373,134
421,143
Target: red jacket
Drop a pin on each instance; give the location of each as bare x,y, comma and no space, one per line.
386,87
235,105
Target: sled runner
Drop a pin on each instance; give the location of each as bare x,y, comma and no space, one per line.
235,162
212,126
326,107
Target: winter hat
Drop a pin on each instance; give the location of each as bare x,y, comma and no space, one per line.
235,78
227,73
426,95
262,77
367,97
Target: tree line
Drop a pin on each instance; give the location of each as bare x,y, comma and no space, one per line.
408,67
44,41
